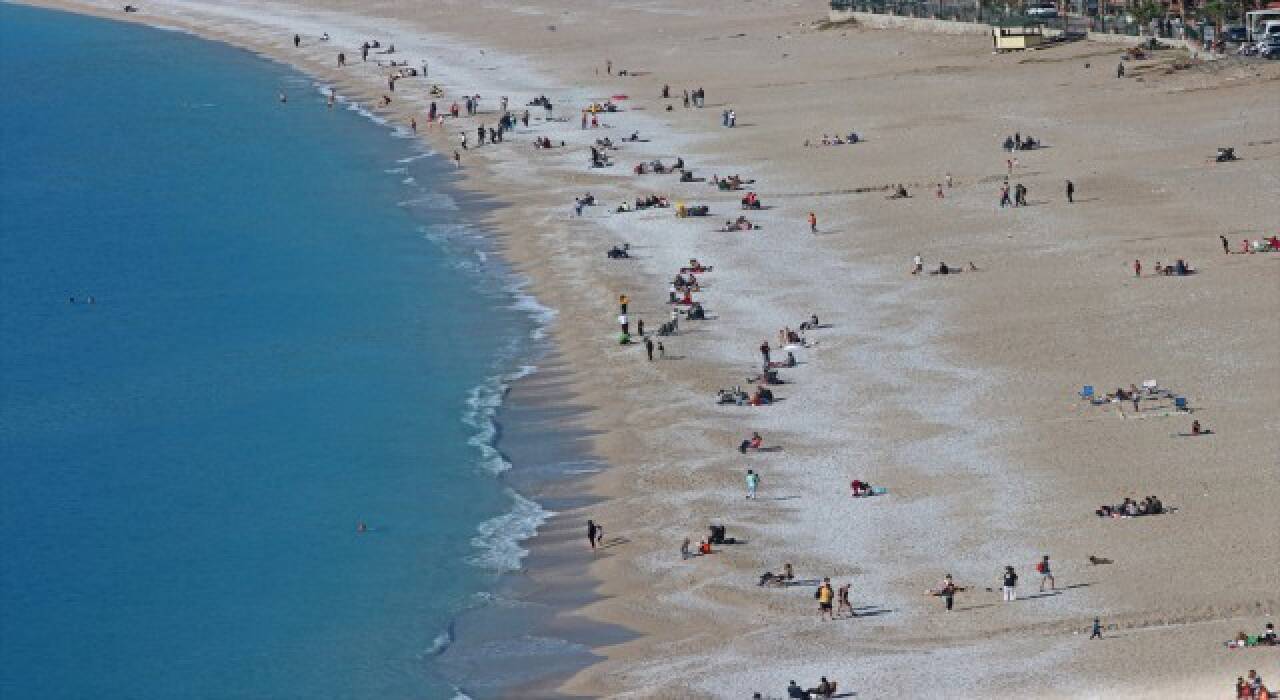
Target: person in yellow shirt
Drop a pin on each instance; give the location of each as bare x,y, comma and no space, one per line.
825,596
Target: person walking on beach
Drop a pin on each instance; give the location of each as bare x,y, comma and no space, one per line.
622,303
813,222
1226,247
599,536
364,51
948,180
947,591
413,124
753,483
342,59
608,67
1120,70
917,264
842,601
463,140
1046,574
297,41
1004,195
592,530
824,595
764,353
640,327
1097,629
684,550
457,159
1137,268
1071,191
648,348
686,99
1010,585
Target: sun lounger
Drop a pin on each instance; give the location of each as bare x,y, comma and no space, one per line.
1180,403
1086,392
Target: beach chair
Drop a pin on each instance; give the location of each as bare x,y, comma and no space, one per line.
1086,392
1180,403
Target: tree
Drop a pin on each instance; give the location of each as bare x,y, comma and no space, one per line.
1216,11
1147,11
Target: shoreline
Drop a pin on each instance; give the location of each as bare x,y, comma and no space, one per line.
938,442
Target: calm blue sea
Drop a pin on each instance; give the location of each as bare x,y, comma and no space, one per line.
292,330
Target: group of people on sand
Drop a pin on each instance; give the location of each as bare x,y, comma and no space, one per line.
1017,143
1251,687
652,201
1008,578
1266,639
1129,508
917,267
836,140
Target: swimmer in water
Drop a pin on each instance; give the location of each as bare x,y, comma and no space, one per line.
361,527
283,97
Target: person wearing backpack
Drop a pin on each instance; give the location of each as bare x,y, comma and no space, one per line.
1046,574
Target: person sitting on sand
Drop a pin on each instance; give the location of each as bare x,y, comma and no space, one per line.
825,688
860,488
795,692
1268,636
751,443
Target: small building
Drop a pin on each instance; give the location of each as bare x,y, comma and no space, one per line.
1017,37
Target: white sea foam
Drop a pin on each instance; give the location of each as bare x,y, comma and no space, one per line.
541,314
437,201
499,538
482,405
439,644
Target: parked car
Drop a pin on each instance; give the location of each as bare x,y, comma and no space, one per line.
1043,11
1235,35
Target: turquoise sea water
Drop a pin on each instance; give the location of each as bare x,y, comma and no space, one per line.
292,331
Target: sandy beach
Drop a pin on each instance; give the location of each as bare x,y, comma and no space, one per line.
958,393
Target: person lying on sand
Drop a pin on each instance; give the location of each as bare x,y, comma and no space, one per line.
752,443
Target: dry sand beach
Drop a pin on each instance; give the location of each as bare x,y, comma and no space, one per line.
957,393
